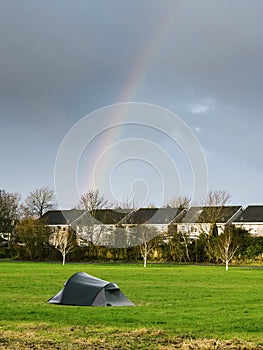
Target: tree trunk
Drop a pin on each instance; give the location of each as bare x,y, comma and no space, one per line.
226,264
186,249
144,261
64,259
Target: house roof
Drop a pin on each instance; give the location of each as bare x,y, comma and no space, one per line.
253,213
112,216
101,216
206,214
152,216
61,217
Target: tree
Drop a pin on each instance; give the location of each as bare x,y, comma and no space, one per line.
64,241
213,206
216,198
146,237
39,201
228,243
125,203
91,201
200,248
178,244
253,247
34,236
89,229
180,202
9,213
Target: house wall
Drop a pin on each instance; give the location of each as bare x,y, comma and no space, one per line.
193,230
96,234
255,229
111,235
105,234
55,229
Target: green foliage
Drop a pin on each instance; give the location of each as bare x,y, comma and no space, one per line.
33,239
200,248
228,243
253,248
176,245
177,248
8,211
171,301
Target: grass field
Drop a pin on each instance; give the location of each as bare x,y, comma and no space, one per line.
177,307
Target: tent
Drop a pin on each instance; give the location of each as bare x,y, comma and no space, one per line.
85,290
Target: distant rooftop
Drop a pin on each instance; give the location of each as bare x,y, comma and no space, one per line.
61,217
253,213
204,214
151,216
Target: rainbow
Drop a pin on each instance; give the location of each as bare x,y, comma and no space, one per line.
149,54
135,80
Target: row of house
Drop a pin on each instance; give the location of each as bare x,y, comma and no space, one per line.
119,227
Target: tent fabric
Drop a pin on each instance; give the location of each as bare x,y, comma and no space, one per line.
85,290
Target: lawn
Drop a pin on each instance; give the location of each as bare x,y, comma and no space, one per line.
176,307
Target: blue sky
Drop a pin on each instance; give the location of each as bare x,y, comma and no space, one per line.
202,60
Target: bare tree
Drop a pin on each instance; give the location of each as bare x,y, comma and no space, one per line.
213,206
180,202
227,246
148,243
39,201
211,213
64,241
229,242
178,244
89,229
125,203
92,200
217,198
146,237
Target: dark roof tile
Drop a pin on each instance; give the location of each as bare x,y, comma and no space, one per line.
61,217
253,213
204,214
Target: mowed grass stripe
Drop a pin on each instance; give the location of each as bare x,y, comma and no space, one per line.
185,301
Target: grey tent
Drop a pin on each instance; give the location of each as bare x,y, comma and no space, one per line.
85,290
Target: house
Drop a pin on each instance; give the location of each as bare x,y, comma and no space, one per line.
251,220
117,227
200,219
110,227
60,220
99,227
160,218
63,218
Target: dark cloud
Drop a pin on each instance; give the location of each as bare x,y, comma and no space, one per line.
203,59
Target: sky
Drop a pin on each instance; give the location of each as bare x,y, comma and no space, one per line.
165,97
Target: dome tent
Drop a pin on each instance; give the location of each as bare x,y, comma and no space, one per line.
85,290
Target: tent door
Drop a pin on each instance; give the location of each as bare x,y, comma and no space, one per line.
100,298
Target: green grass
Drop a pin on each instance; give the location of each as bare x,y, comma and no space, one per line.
187,302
